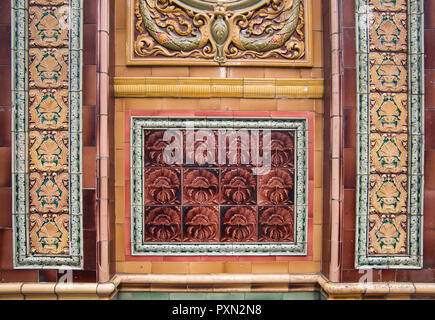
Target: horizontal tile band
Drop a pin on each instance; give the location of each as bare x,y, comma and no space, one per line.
129,87
108,290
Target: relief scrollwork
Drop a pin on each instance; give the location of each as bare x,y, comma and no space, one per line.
220,32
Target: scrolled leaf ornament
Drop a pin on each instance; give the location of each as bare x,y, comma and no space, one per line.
222,32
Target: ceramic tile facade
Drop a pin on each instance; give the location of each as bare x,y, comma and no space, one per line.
47,209
389,172
217,197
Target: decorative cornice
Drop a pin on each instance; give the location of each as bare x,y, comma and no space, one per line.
129,87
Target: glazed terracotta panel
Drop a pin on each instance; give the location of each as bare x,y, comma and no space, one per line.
221,187
390,134
234,32
47,133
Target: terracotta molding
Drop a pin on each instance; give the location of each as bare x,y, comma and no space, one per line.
336,136
18,290
214,283
103,141
218,88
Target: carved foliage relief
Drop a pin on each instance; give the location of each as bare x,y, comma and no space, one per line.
390,208
203,200
221,32
47,198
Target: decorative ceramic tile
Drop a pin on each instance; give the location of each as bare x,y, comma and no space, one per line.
389,5
388,112
390,131
388,31
388,193
388,72
47,138
389,153
220,186
48,68
48,109
215,33
387,234
48,27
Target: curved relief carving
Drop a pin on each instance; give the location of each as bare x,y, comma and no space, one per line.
239,225
220,31
200,187
154,148
276,187
163,224
201,225
49,234
281,149
238,187
162,186
276,224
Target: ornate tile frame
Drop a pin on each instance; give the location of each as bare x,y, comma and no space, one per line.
20,181
139,248
414,258
133,60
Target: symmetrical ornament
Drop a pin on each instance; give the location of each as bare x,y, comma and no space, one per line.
220,32
205,191
47,206
390,134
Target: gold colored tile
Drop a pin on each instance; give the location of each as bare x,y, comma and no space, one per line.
389,112
387,234
388,153
48,151
48,109
388,72
119,130
119,168
207,267
388,31
48,67
119,204
388,193
48,26
317,243
238,267
318,206
170,267
318,169
120,242
270,267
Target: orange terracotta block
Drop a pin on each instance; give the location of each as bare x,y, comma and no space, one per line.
238,267
270,267
304,267
170,267
206,267
133,267
169,71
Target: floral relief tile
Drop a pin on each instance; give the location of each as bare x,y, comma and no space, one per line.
49,233
276,187
388,193
162,186
48,109
389,153
238,187
389,5
276,224
201,224
163,224
48,26
201,148
387,234
388,112
48,151
48,192
388,72
201,186
239,224
388,31
48,68
282,149
156,142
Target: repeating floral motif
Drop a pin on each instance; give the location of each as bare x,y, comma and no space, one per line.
48,136
211,201
389,206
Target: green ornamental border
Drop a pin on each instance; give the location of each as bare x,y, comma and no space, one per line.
414,258
140,248
20,183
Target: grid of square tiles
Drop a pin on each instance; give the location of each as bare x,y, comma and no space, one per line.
206,200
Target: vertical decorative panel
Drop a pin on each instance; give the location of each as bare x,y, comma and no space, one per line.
46,57
390,134
198,186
